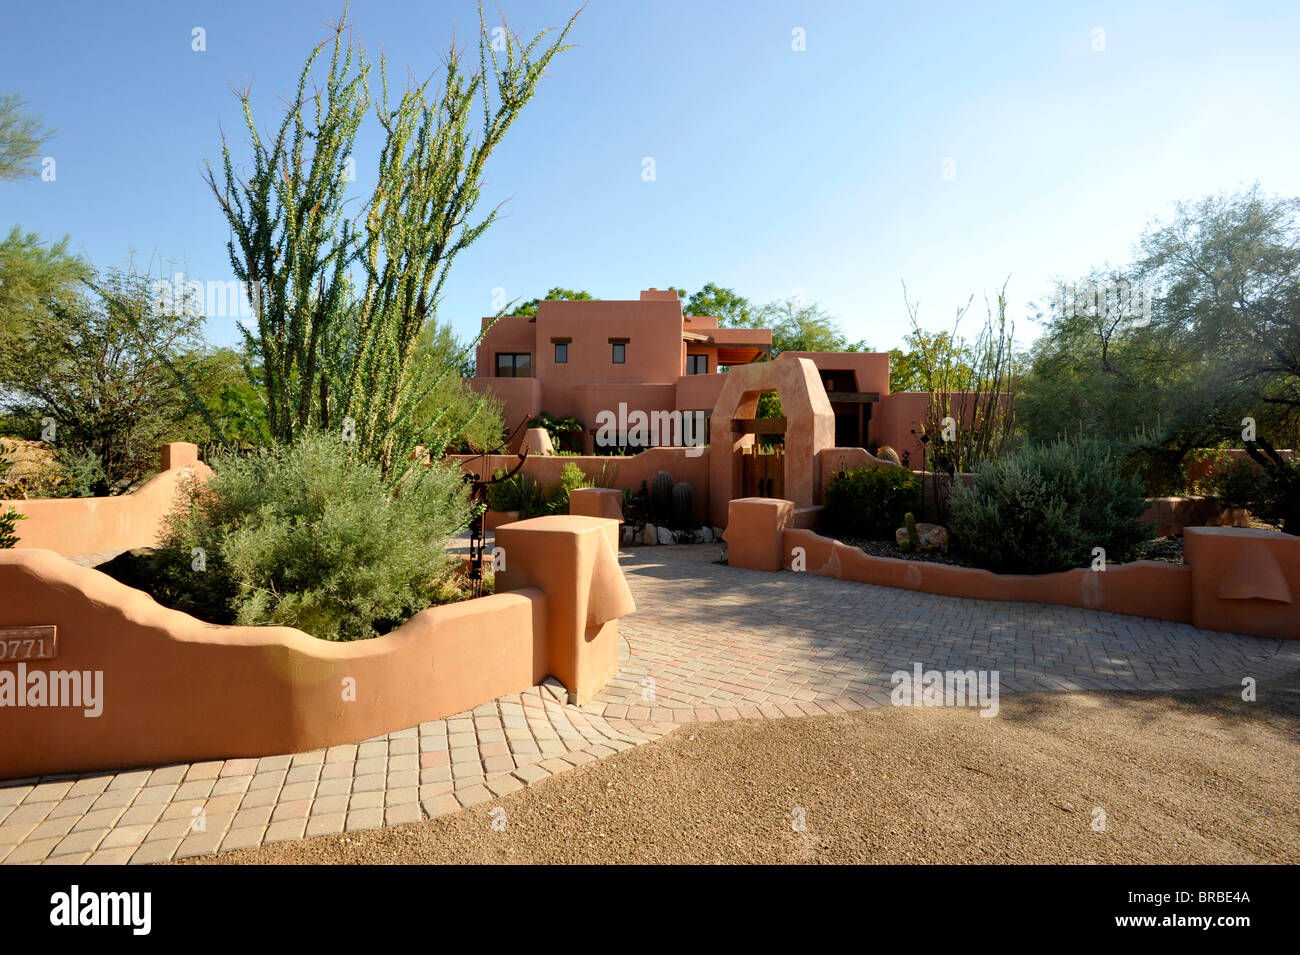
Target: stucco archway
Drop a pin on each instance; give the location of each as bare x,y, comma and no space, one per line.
809,428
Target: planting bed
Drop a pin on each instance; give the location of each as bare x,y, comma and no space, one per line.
1165,549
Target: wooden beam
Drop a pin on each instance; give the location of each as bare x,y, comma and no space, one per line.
758,426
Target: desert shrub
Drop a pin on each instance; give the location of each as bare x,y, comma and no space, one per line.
311,536
170,576
518,493
1268,487
1046,508
81,472
565,432
871,501
557,495
9,517
527,496
504,493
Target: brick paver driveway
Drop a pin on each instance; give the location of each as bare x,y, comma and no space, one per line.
707,642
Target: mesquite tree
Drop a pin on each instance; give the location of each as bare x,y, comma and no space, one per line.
340,302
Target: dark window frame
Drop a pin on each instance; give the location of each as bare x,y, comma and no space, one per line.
514,357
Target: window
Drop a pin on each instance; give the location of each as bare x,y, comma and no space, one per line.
514,365
697,364
620,353
561,353
696,427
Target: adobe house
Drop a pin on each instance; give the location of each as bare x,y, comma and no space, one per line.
582,358
586,357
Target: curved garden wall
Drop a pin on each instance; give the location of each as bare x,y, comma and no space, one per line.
1239,580
88,525
175,689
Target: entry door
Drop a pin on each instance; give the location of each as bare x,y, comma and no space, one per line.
763,475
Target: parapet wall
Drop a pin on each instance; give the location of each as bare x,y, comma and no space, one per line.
689,465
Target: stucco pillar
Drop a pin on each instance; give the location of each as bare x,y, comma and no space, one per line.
179,454
574,559
596,502
1244,580
754,531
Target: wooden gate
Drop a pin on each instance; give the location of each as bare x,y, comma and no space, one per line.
763,473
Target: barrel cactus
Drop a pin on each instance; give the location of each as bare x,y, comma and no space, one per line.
661,494
683,504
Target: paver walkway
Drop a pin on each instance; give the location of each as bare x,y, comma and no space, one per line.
707,642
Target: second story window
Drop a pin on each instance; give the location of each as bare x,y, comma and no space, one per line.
619,349
562,352
697,364
514,365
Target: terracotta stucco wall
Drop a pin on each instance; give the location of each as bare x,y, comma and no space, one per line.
652,377
87,525
175,689
620,471
1239,580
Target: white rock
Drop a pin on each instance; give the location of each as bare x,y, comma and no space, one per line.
665,535
705,535
648,535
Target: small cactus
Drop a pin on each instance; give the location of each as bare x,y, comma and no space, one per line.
913,538
661,494
683,504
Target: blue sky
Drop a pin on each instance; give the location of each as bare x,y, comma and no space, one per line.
776,170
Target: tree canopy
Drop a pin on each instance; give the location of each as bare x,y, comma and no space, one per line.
21,137
556,294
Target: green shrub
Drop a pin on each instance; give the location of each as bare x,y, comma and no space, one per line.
531,500
557,495
83,473
8,527
1268,487
309,536
9,518
524,494
1046,508
870,502
503,495
566,432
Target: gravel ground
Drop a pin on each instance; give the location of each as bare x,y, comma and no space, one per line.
1182,778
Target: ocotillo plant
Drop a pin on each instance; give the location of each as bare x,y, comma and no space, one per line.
338,302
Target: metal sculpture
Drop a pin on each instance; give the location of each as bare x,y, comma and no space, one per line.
478,500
